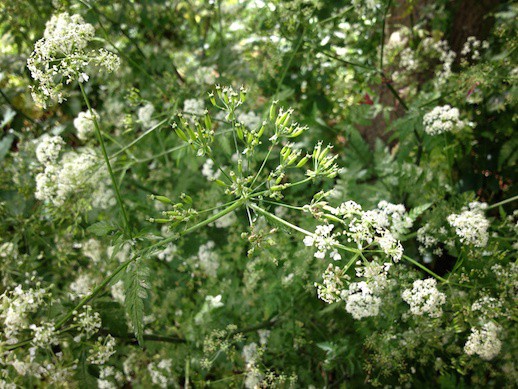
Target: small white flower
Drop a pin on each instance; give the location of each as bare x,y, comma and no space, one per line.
84,124
48,148
425,298
471,226
442,119
484,342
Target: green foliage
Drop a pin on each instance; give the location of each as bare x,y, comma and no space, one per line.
300,193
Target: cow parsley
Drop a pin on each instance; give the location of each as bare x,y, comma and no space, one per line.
324,241
84,124
484,342
425,298
61,56
442,119
471,225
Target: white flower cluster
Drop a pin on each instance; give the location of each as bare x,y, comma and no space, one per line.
44,335
425,298
489,307
109,378
484,342
194,106
167,253
92,249
160,372
102,350
84,124
442,119
8,251
82,286
382,225
88,322
471,225
208,259
48,148
61,55
361,300
211,303
399,221
390,246
76,172
472,46
15,307
428,241
250,119
331,287
208,170
324,241
446,56
145,114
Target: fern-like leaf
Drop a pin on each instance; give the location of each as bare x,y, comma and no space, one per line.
136,292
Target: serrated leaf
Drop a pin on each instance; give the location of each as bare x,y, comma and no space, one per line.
101,228
326,346
136,292
418,211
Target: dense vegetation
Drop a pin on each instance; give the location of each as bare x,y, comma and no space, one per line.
254,193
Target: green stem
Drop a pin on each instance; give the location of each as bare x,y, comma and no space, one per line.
284,205
209,220
350,263
288,64
383,33
262,165
94,293
143,135
394,92
503,202
278,219
422,267
258,194
107,160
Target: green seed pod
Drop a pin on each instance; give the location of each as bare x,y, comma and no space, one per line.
273,109
220,183
292,158
180,134
162,199
316,151
208,122
239,132
261,130
186,198
151,220
298,131
212,99
303,161
282,119
277,188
